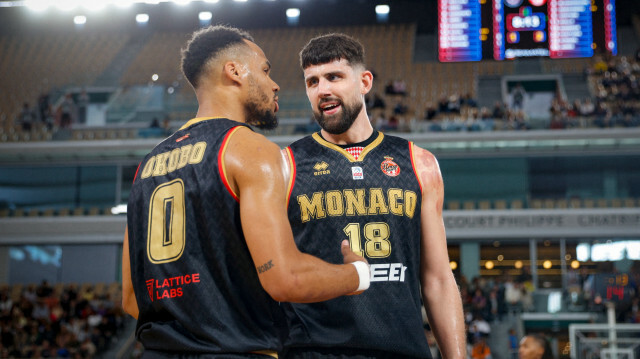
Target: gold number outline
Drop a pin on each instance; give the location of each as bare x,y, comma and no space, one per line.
352,230
163,247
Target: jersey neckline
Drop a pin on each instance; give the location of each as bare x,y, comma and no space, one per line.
344,152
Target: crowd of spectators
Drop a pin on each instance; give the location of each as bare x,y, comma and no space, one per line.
69,323
47,115
496,300
614,83
615,102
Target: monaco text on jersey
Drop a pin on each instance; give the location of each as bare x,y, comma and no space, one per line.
357,202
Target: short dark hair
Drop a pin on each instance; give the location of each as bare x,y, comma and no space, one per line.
331,47
542,341
206,44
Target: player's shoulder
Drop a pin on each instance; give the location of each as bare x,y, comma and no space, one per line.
422,153
251,153
304,141
426,167
252,142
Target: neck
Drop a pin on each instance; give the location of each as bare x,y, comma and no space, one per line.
359,131
213,103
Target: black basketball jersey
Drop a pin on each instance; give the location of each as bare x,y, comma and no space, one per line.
194,279
374,202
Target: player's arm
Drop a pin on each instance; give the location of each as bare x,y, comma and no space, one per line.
255,173
439,289
129,303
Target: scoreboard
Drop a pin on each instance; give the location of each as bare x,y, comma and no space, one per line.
474,30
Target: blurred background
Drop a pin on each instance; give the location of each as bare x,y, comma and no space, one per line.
531,106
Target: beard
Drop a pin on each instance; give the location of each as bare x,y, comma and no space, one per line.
339,123
257,114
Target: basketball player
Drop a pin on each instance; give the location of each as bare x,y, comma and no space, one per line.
535,346
207,224
385,195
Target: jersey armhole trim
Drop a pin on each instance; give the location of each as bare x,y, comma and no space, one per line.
413,164
292,174
136,175
221,168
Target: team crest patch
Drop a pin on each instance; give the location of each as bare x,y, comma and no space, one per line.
389,167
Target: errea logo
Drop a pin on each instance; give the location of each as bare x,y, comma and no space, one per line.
321,169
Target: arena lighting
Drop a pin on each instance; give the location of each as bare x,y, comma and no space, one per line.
575,264
67,5
154,77
122,4
142,18
489,265
293,12
11,3
382,9
95,5
119,209
293,16
518,264
546,264
205,15
80,20
382,13
453,265
37,5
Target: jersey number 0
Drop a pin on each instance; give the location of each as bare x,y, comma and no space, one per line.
166,231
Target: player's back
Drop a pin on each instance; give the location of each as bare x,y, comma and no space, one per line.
195,283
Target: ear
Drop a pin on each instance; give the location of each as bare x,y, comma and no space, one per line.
233,71
366,82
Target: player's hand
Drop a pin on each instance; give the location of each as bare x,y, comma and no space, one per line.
350,257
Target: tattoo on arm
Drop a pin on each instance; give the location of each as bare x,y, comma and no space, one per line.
265,267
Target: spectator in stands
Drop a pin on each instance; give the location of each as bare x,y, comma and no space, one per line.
430,112
513,344
43,106
518,95
44,290
67,111
375,101
389,89
586,107
454,104
83,105
39,334
535,346
26,117
400,108
5,304
478,302
498,111
480,349
399,87
479,327
468,100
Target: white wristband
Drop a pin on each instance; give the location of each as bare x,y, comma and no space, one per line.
363,274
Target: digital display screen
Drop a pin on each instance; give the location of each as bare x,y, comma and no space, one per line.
474,30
